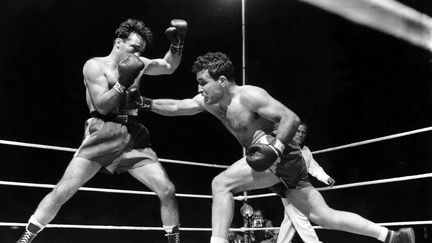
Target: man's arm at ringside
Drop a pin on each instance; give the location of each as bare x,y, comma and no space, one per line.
258,100
314,168
172,107
103,98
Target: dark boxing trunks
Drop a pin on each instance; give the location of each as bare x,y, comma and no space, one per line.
117,142
290,168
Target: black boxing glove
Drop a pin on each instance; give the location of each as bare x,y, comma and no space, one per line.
128,69
261,156
131,99
176,34
146,104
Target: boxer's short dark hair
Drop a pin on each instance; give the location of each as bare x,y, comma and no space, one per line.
134,26
216,63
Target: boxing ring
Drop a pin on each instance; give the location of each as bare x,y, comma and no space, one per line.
415,28
240,198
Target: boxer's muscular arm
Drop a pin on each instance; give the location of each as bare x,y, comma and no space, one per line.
166,65
169,63
171,107
102,97
259,101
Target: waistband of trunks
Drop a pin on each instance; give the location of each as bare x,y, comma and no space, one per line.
117,118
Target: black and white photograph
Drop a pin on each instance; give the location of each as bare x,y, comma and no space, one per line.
216,121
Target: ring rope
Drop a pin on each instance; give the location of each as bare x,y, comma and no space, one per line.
426,129
381,181
357,184
66,149
424,222
239,198
193,163
58,148
107,227
91,189
41,146
142,228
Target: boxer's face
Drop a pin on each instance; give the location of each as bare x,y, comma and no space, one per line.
300,135
134,44
209,88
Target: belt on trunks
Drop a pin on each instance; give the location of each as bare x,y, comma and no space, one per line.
117,118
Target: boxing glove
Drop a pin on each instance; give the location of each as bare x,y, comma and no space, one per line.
131,99
146,104
176,34
129,69
261,156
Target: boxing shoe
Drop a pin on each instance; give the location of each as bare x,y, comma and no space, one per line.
30,232
173,237
403,235
26,237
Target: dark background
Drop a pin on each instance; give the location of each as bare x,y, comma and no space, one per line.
348,82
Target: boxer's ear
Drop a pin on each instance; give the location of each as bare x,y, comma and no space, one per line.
222,80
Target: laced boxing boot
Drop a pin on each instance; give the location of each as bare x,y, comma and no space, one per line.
403,235
173,234
29,233
26,237
173,237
